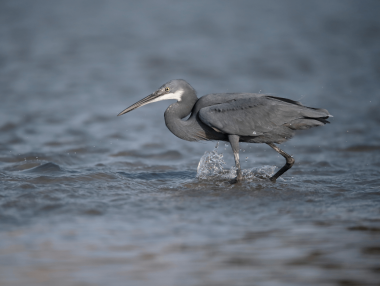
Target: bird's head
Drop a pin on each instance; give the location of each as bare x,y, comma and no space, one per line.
174,89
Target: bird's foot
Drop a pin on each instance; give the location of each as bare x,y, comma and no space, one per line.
273,179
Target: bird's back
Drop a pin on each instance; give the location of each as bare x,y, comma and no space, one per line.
257,118
218,98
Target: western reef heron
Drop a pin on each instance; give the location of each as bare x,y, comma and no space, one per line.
234,117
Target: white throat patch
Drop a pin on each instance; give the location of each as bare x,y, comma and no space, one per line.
174,95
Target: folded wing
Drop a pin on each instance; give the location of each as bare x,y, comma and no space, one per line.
254,115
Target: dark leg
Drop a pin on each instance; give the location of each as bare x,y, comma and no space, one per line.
234,141
289,162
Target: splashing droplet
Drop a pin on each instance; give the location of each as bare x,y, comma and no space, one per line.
211,166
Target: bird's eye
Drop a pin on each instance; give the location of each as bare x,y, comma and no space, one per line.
167,89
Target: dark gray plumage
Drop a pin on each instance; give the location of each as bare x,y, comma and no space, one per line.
234,117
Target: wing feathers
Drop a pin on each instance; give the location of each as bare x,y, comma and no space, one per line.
256,115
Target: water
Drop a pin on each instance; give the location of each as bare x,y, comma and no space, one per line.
88,198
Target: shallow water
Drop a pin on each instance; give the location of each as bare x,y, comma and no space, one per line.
88,198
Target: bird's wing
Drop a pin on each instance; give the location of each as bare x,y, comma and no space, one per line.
255,115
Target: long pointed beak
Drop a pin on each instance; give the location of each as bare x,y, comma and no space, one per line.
140,103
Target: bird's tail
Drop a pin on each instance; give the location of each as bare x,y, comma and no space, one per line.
312,117
309,116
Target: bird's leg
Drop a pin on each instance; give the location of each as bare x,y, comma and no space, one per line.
289,162
234,141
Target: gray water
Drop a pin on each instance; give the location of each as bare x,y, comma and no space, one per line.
88,198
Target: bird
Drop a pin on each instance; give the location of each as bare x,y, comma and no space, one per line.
234,118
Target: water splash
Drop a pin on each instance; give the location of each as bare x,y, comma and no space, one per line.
211,166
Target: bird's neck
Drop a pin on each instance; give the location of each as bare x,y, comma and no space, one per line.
183,129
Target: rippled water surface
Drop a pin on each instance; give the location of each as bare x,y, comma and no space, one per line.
88,198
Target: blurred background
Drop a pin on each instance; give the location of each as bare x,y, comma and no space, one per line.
88,198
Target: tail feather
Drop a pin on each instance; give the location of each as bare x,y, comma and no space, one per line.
306,123
321,119
312,110
286,100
